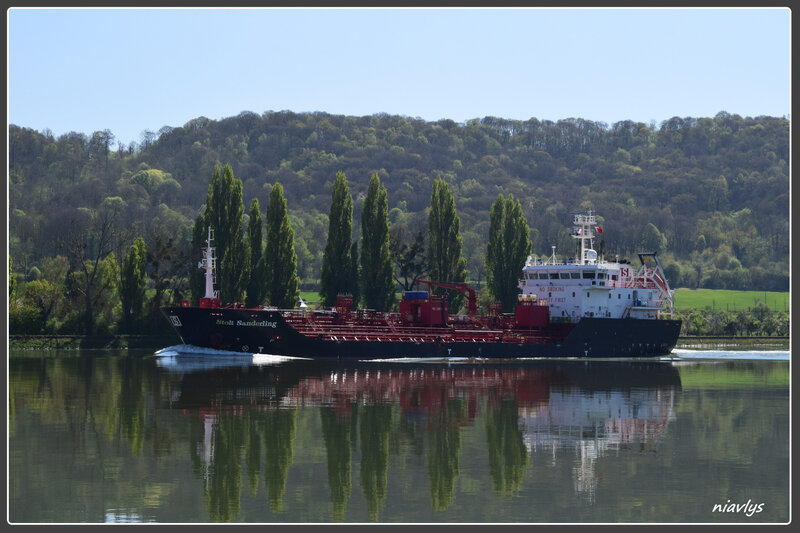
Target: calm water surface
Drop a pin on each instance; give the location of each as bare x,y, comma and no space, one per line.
134,437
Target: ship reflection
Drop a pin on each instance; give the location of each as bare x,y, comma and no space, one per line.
567,410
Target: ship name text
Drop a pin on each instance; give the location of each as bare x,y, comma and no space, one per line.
256,323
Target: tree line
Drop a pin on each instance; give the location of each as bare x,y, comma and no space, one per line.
89,291
710,194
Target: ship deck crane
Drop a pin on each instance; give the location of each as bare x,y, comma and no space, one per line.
462,288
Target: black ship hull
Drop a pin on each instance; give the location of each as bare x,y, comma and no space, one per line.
266,331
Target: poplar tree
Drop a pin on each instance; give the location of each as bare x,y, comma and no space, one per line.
354,276
337,263
282,279
508,247
225,214
376,263
444,242
257,286
133,282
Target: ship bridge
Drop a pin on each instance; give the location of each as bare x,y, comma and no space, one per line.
586,285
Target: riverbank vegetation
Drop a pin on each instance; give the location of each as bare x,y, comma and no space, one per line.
709,194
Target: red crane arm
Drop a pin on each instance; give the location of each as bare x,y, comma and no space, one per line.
463,289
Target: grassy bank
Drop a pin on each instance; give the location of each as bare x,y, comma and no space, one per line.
81,342
725,300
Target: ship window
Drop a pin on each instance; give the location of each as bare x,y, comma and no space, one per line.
554,275
614,277
575,275
609,295
564,275
587,295
619,297
573,295
629,296
587,274
601,275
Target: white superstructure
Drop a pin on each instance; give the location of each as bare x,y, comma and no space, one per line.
587,285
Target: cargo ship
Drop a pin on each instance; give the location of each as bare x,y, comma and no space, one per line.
583,306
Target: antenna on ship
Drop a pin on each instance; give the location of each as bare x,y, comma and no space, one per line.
209,264
584,224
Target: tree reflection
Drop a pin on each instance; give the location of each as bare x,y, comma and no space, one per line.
253,454
224,487
279,431
508,455
375,425
336,434
131,405
444,451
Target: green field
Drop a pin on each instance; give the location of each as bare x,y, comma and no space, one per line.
729,300
311,298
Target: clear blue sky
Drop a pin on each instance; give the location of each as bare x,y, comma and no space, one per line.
130,70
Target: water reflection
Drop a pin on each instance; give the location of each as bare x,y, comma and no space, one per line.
250,412
123,437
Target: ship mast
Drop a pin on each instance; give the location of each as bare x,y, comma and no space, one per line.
584,224
209,264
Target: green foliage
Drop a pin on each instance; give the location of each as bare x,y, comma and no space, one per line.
757,321
508,247
133,282
257,286
12,281
715,188
652,239
337,275
281,260
25,320
444,242
225,214
95,287
376,264
410,261
354,273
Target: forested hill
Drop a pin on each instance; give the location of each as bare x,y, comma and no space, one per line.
710,194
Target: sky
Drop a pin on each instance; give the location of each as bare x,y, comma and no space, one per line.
131,70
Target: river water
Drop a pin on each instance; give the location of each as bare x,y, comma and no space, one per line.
176,437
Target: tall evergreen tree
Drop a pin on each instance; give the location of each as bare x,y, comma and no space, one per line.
444,242
354,276
376,263
257,286
282,279
133,282
508,247
225,214
336,276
